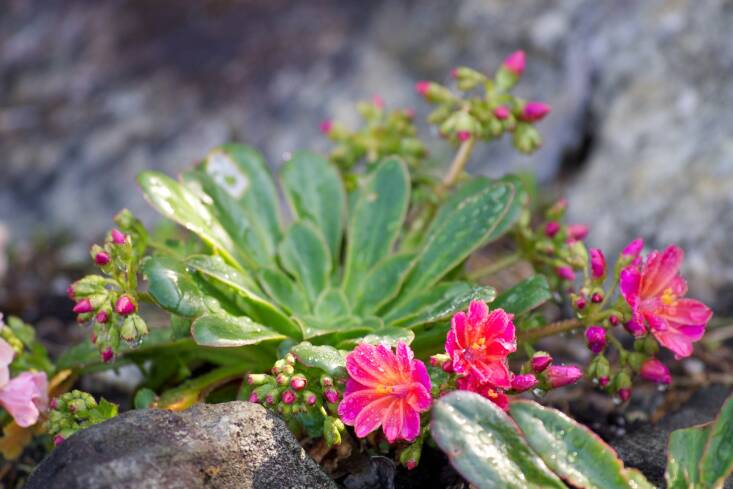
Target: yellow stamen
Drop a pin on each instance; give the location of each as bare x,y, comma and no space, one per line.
384,389
668,297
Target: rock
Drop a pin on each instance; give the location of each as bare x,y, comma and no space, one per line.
646,448
231,445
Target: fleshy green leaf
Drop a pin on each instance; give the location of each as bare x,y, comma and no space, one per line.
480,212
485,447
717,462
437,303
570,449
332,304
313,188
181,205
227,331
389,336
383,283
376,221
686,448
525,296
284,291
304,253
172,287
333,330
243,173
326,358
262,310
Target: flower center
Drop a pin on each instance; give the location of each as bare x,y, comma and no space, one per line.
668,297
384,389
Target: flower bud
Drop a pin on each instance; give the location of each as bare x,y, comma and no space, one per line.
636,328
433,92
624,394
521,383
102,258
326,381
298,382
502,113
58,440
655,371
540,361
288,397
439,359
133,327
534,111
558,209
551,228
463,136
596,298
577,232
282,379
595,336
561,375
53,404
332,428
597,263
613,320
634,248
107,355
83,306
310,398
326,126
125,305
515,62
410,456
118,237
70,292
331,396
580,303
253,398
258,379
603,381
102,316
565,273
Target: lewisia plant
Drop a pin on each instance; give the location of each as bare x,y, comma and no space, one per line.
358,313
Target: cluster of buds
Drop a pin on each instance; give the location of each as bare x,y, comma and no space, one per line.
293,389
554,248
384,133
75,411
485,109
109,301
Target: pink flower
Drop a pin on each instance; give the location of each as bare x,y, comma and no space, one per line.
479,342
655,291
655,371
535,111
597,263
521,383
515,62
25,396
486,389
387,389
561,375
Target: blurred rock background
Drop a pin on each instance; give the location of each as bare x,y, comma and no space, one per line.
91,92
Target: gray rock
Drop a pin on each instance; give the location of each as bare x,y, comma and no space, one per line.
646,448
231,445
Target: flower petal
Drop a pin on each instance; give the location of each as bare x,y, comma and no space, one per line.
495,373
405,358
686,311
419,398
478,312
629,283
660,269
354,403
393,419
460,328
420,374
410,425
23,397
370,417
6,357
363,365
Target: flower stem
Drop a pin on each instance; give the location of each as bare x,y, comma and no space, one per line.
498,265
550,329
459,163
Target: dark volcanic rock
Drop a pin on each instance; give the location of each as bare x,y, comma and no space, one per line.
646,448
231,445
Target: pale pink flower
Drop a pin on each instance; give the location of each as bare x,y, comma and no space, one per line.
387,389
655,291
25,396
479,342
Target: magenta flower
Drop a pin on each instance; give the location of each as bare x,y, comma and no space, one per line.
655,371
655,291
485,389
25,396
387,389
479,342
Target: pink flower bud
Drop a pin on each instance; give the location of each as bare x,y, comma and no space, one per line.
613,319
597,263
540,361
577,232
378,101
634,248
535,111
58,440
270,399
83,306
288,397
596,298
603,381
595,336
93,338
521,383
655,371
107,355
53,404
551,228
565,273
502,112
101,258
102,317
422,87
298,383
635,328
70,291
561,375
326,126
580,303
515,62
410,464
454,73
409,113
331,396
253,398
118,237
447,366
624,394
310,399
463,135
125,305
